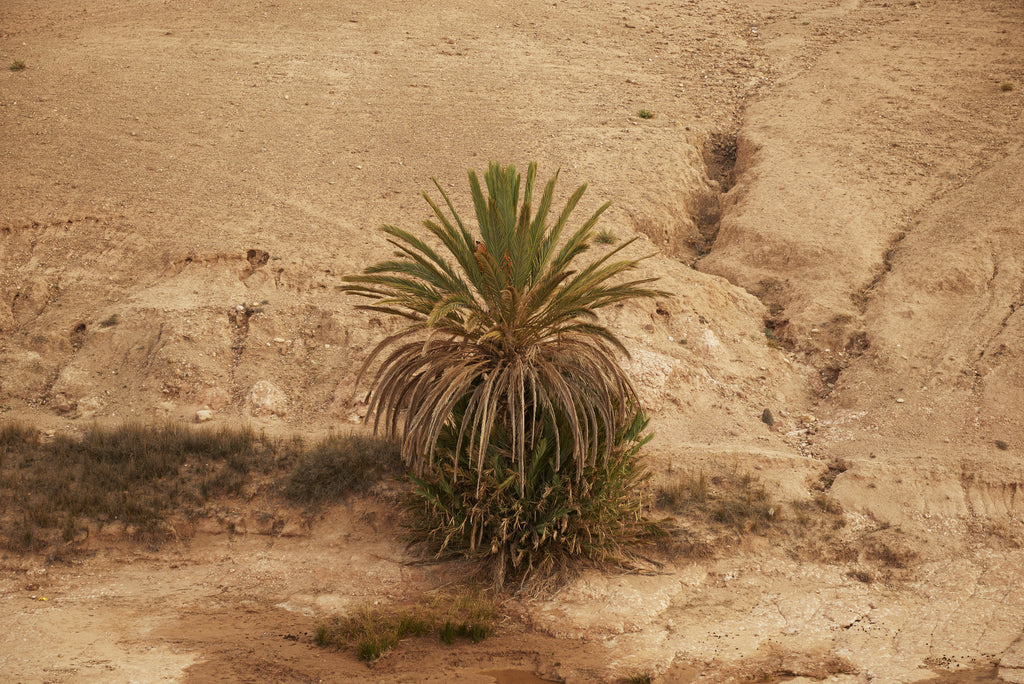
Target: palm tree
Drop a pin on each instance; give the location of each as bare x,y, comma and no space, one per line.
502,342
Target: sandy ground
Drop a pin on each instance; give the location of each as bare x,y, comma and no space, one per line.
183,185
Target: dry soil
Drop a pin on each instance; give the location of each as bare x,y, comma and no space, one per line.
833,191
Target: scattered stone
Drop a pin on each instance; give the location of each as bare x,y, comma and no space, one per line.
204,415
767,418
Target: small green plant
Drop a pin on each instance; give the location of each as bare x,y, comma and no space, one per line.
646,114
1006,86
375,631
18,65
605,236
771,339
114,319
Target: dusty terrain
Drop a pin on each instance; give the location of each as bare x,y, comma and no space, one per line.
835,193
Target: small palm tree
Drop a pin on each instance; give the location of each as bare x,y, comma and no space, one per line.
509,326
503,356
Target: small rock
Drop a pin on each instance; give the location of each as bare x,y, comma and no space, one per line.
767,418
204,415
266,399
62,404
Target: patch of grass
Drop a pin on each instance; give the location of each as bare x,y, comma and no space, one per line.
340,466
373,632
18,65
713,512
1006,86
639,678
889,556
605,236
686,492
113,319
14,434
732,500
134,474
140,476
646,114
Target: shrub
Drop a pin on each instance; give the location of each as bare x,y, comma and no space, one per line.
340,466
503,386
540,530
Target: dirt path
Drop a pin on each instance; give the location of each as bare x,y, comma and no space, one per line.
182,187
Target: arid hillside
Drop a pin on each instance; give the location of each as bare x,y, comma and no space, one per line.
833,191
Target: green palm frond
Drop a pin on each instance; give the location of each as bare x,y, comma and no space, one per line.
502,333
